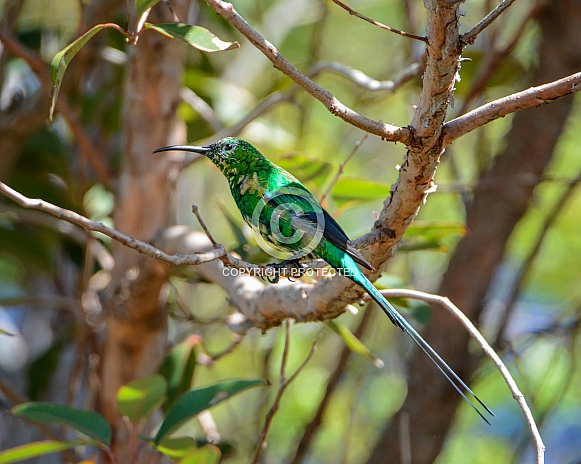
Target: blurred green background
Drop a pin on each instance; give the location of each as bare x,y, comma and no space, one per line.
44,267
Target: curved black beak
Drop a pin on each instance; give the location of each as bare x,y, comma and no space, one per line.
194,149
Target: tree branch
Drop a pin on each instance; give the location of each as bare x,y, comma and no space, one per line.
386,131
470,36
486,348
89,225
351,11
535,96
366,82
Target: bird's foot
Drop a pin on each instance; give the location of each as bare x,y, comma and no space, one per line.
295,267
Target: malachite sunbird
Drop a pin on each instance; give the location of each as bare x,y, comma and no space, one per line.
289,219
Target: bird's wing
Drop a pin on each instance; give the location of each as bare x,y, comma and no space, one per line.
335,234
332,230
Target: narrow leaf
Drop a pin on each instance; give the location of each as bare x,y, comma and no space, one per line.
353,343
200,399
140,397
61,61
88,423
35,449
435,230
209,454
143,5
430,235
196,36
178,369
176,448
306,169
355,189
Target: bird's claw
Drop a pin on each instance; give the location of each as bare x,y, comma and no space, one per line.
294,265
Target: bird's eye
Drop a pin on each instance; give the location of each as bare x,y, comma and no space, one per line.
229,147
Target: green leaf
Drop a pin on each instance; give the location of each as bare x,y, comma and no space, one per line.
358,190
178,369
306,169
140,397
35,449
353,343
209,454
61,61
176,448
429,235
200,399
143,5
88,423
196,36
435,229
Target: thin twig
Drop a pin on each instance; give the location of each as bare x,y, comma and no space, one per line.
534,96
342,167
351,11
487,349
196,211
387,131
201,107
363,80
310,430
526,265
89,225
283,384
356,76
495,58
470,36
194,259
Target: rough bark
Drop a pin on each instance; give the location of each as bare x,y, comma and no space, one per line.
500,200
135,322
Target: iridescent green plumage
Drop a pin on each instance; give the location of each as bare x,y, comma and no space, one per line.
289,218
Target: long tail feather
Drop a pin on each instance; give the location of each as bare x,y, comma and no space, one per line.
458,384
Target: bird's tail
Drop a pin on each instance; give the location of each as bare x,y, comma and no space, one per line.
355,274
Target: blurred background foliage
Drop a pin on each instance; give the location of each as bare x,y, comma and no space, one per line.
42,261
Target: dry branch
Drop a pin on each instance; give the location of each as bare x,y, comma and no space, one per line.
94,226
353,12
470,36
486,348
535,96
386,131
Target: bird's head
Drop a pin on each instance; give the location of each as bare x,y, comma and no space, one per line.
229,153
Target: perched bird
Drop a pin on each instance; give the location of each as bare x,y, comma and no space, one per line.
289,218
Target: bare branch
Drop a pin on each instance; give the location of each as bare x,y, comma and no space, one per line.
283,384
386,131
368,83
201,107
89,225
495,58
470,36
310,430
486,348
351,11
342,167
271,100
526,265
194,259
535,96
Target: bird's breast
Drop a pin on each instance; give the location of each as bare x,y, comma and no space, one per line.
250,183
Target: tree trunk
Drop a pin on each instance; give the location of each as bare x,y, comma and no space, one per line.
500,200
135,338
